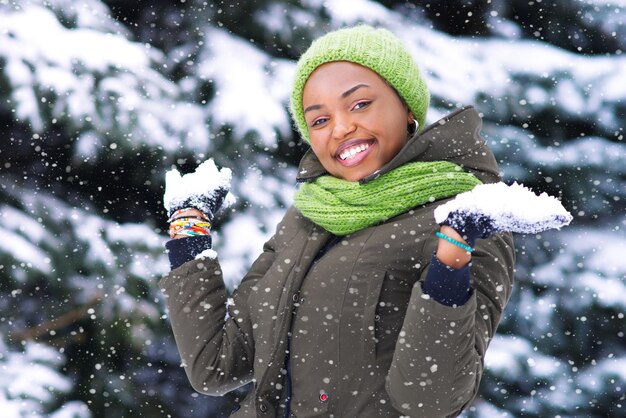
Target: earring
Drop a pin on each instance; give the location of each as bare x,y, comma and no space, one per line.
413,128
417,125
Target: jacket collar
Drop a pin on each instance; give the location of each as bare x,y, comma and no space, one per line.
455,137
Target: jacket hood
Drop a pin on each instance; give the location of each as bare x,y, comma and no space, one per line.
455,137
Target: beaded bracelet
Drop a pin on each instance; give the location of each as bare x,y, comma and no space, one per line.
189,226
176,215
455,242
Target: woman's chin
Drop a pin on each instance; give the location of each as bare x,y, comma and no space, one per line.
355,173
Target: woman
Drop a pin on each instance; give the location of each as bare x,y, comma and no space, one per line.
360,305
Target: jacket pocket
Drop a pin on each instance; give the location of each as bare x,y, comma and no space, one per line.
392,293
357,333
371,314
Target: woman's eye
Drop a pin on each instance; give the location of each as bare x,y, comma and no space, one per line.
319,121
361,105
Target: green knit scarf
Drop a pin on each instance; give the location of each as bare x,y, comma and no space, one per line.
343,207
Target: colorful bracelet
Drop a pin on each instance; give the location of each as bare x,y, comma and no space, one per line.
176,215
455,242
189,226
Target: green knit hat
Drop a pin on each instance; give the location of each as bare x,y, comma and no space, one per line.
377,49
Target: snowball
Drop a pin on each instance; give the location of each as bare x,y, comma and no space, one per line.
208,253
193,186
513,208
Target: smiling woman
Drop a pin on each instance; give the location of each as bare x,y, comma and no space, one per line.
357,123
360,305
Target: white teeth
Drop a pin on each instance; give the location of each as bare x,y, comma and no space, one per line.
352,151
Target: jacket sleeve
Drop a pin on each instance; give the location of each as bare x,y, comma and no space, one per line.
216,347
438,360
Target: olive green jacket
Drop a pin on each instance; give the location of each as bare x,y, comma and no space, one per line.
363,340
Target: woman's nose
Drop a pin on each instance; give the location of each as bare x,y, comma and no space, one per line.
343,126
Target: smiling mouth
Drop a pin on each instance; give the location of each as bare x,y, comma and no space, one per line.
353,153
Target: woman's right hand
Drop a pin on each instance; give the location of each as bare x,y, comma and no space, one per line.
206,189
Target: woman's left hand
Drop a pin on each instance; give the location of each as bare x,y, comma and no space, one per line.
465,228
450,254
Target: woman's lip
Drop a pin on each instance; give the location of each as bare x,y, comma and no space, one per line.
352,143
358,157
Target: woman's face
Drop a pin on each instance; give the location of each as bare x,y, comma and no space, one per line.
357,122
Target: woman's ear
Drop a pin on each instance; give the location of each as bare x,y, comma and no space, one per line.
411,124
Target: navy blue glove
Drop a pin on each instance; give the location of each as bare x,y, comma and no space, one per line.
207,203
444,284
205,189
471,226
497,207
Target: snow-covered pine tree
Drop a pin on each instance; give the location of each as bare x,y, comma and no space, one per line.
99,98
32,384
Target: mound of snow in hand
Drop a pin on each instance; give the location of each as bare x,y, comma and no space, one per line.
512,208
194,188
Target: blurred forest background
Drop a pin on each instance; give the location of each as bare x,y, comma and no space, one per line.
99,98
